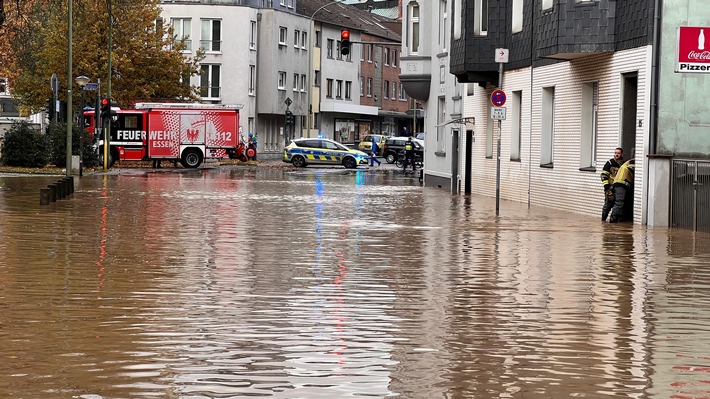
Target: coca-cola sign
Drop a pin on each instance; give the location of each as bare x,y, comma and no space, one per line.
693,51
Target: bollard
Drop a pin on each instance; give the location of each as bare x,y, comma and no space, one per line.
71,184
69,181
60,189
44,196
52,192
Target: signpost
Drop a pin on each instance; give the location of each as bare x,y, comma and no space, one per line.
498,113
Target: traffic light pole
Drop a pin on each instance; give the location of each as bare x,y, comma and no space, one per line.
70,82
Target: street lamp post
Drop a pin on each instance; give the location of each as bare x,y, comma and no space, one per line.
310,67
81,81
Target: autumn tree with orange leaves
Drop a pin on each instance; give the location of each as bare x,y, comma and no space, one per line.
146,58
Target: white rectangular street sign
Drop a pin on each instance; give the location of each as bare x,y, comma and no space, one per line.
502,55
498,113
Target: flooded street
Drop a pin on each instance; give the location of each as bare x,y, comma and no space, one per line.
268,282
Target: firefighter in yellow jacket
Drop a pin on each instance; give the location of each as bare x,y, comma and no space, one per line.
623,192
611,167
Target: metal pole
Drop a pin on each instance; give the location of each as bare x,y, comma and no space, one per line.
107,128
70,81
500,133
81,135
414,118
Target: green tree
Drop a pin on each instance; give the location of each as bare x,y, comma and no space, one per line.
147,62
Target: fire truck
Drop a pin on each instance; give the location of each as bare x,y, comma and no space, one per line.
187,133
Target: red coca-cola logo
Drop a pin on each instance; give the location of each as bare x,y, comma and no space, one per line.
697,55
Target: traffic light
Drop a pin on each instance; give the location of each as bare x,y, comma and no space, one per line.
345,42
289,118
105,108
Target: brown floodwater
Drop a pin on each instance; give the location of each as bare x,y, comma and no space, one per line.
259,282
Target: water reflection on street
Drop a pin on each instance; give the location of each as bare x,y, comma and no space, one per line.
258,282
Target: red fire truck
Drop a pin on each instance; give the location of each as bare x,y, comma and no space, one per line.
188,133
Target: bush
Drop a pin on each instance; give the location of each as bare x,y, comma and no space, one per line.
57,133
25,146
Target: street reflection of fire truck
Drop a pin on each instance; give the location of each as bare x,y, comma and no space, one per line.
187,133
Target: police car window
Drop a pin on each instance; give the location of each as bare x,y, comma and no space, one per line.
331,146
311,143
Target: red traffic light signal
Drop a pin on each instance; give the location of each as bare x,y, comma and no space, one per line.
344,42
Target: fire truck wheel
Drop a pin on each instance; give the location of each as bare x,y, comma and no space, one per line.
112,157
350,163
191,158
298,161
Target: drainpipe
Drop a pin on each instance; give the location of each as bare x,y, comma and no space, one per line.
655,59
256,81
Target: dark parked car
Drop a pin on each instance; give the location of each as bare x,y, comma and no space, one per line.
394,147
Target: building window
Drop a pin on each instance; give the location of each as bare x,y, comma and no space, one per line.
329,48
282,80
210,81
283,33
517,16
394,58
440,121
303,83
480,21
413,29
386,89
394,91
211,38
588,144
387,56
296,38
369,87
252,36
516,125
456,6
295,82
316,78
369,53
339,89
182,27
489,131
548,126
362,86
252,79
304,40
329,88
402,94
348,90
338,55
547,4
443,10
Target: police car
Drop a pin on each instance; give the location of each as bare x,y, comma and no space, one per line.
307,151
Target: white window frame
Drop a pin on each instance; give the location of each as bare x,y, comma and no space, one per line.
295,81
394,58
296,38
211,76
252,79
281,81
348,90
283,35
441,128
387,56
252,36
547,139
207,32
303,83
386,89
413,27
589,116
339,89
179,30
393,97
516,124
517,23
369,87
443,27
480,20
329,88
362,86
304,40
329,48
402,93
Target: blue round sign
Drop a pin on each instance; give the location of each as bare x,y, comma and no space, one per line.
498,98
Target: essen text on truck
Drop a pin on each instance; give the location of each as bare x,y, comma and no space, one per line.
188,133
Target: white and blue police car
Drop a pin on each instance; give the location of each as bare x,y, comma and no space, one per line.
306,151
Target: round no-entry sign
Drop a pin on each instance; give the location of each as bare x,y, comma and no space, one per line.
498,98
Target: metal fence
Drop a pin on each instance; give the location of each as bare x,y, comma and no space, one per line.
690,195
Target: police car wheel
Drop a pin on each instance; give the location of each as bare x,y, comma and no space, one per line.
350,163
298,161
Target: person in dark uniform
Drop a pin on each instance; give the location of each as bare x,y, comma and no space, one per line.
608,175
409,155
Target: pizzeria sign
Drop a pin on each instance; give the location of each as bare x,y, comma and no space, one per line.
693,52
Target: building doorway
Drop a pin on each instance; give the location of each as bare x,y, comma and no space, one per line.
468,162
628,114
